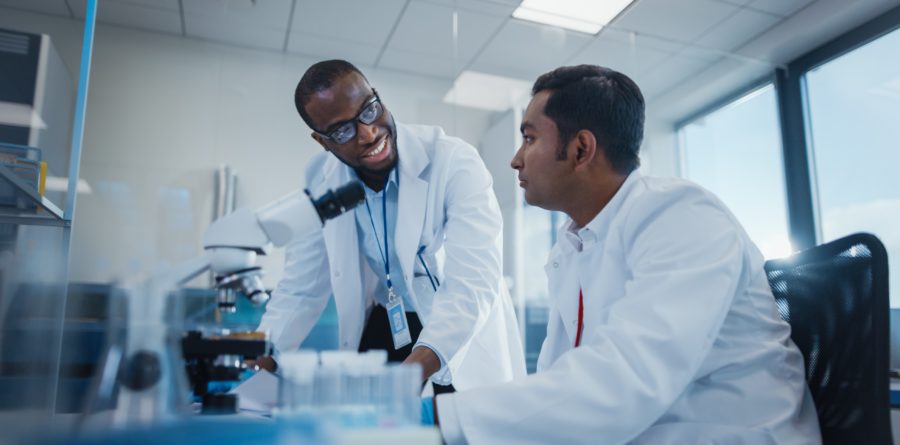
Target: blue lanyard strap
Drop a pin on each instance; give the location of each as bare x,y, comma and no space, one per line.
385,258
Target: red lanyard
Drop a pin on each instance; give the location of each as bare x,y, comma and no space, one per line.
580,318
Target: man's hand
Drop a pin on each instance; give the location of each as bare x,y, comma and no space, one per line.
267,362
425,357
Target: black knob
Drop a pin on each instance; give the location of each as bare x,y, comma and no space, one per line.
140,371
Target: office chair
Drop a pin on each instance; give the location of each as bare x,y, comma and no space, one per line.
835,297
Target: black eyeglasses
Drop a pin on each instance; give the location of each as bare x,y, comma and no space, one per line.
345,131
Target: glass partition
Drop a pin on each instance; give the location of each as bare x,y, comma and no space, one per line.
45,57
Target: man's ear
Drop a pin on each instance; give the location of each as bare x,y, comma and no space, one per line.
318,138
585,147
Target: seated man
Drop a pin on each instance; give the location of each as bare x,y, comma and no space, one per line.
662,328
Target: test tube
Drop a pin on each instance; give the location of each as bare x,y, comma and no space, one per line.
297,385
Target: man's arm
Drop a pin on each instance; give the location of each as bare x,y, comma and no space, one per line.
686,262
300,296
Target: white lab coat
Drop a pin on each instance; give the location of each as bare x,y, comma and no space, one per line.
446,209
682,341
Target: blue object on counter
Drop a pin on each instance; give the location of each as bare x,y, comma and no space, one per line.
428,411
201,431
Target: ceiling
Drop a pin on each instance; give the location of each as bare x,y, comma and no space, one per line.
671,47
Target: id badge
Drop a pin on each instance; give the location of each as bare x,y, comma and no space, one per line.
397,318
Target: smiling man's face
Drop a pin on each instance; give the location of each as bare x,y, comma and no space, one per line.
372,151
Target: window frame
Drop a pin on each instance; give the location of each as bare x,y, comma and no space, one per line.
804,227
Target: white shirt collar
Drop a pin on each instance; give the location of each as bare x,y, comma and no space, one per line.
587,236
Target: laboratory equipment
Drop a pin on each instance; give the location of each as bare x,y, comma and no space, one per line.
151,386
349,390
219,359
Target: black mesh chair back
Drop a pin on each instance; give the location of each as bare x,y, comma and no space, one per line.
835,297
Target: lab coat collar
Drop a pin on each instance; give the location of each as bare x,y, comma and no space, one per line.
577,240
413,159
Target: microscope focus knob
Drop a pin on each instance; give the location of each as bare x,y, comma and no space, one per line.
140,371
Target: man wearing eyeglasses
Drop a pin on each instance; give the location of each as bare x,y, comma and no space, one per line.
416,269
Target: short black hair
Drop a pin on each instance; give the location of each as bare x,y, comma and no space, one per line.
603,101
320,77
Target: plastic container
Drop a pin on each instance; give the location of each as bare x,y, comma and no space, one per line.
30,173
347,390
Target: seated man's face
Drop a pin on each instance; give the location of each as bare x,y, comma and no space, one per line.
543,174
372,150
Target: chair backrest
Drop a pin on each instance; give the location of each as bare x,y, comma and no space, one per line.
835,297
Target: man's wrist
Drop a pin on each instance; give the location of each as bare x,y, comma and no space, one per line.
425,357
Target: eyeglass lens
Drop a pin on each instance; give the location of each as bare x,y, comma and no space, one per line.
347,131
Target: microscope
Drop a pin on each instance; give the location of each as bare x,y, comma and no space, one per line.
150,381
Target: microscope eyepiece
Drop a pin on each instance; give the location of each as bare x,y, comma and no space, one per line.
338,201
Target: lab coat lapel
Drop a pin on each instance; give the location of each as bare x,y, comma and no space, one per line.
343,258
411,203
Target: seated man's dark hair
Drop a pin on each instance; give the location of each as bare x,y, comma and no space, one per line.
320,77
603,101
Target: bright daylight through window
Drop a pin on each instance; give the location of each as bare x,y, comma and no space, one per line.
735,151
854,107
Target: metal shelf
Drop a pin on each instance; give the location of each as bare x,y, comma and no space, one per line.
46,214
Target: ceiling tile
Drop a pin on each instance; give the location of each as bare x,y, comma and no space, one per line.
427,28
735,2
493,7
54,7
737,30
780,7
332,48
171,5
682,21
158,16
352,21
619,56
418,63
525,50
675,70
259,24
626,37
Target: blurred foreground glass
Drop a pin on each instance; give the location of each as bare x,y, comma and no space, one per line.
42,357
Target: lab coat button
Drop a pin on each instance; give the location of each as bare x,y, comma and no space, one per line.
346,343
555,265
337,274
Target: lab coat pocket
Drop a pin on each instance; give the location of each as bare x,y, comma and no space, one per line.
424,294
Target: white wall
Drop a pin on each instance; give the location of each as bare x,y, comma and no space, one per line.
499,143
165,111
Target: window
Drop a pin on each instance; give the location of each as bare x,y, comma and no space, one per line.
854,108
735,152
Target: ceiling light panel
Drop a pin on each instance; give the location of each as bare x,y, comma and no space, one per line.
587,16
487,91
